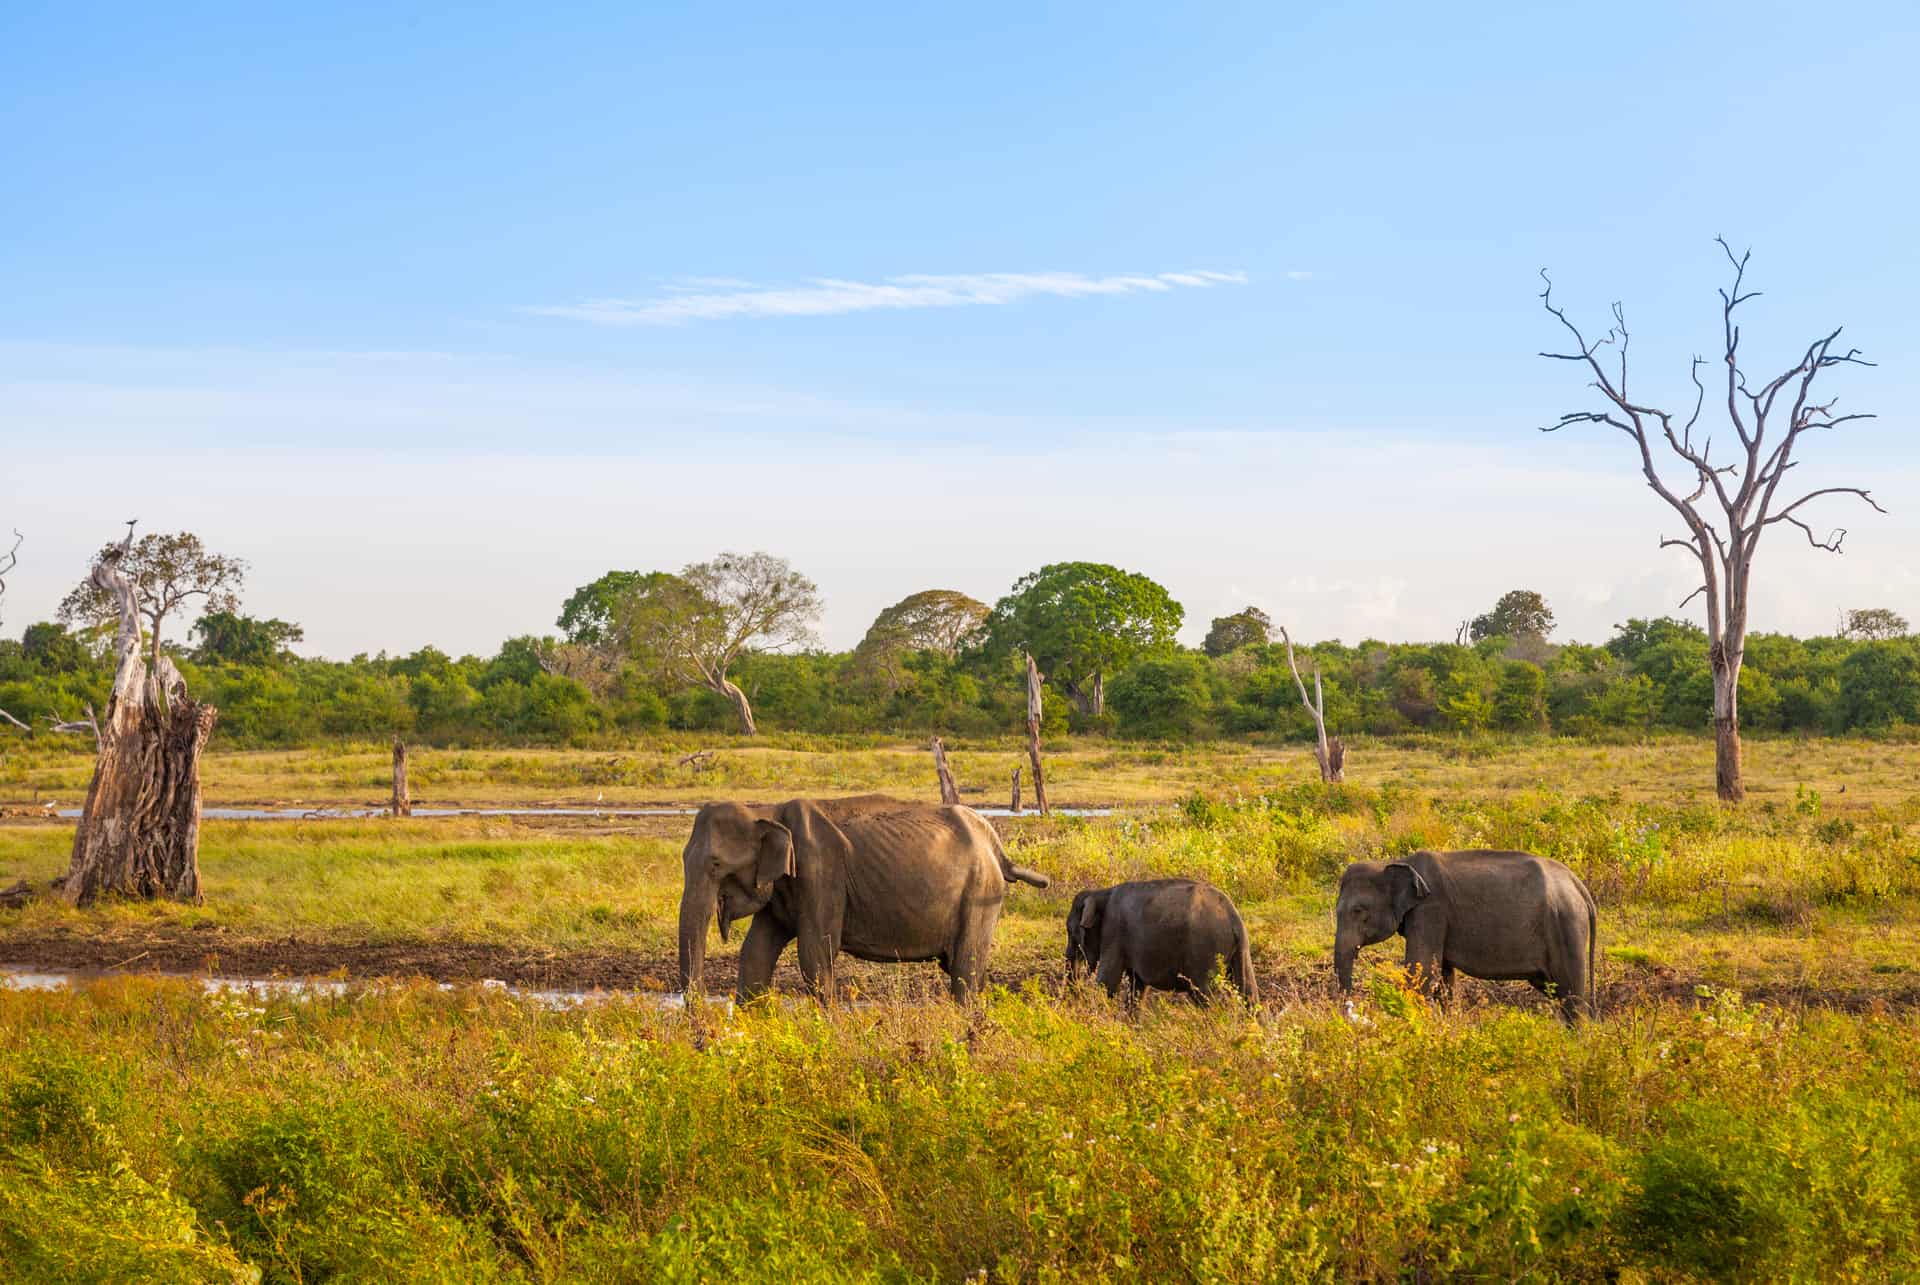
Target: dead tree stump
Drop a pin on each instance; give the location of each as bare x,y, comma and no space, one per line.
1033,736
402,805
949,793
1014,807
139,833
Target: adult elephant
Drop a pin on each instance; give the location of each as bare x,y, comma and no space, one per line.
879,878
1504,916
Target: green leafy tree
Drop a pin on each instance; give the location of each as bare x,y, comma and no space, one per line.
696,625
1873,623
1242,629
1082,621
1520,701
1638,636
167,572
588,616
1164,696
1520,613
229,638
54,649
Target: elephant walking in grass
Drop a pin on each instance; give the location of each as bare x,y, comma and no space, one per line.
1503,916
878,878
1161,934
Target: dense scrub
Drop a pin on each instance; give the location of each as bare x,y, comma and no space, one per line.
1651,675
147,1131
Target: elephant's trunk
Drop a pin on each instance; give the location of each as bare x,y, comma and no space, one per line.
1345,949
697,905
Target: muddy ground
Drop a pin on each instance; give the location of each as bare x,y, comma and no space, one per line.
219,953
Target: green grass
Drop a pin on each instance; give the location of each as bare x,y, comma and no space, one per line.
150,1132
1800,895
1847,775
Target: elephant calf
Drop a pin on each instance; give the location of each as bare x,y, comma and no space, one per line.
1167,934
1503,916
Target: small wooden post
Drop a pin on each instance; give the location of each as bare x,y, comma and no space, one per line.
1033,736
1014,807
402,796
949,793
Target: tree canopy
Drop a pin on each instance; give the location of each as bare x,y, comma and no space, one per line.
166,571
229,638
1082,621
1871,623
941,621
695,625
1520,613
1241,629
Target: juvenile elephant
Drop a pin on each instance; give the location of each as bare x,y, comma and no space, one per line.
879,878
1504,916
1164,934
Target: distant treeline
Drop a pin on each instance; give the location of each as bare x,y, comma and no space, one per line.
1651,674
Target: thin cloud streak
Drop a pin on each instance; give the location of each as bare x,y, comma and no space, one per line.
831,296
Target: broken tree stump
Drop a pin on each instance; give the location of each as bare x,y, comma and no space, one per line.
139,831
1033,736
949,793
1014,806
402,805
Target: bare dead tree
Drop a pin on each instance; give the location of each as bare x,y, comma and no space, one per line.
1330,752
139,833
1033,736
949,792
1744,491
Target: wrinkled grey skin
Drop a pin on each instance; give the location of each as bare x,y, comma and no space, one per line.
1160,934
1504,916
878,878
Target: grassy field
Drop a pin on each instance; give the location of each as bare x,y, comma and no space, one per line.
1747,1107
1848,774
150,1132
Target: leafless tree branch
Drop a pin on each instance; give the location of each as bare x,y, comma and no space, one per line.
1723,536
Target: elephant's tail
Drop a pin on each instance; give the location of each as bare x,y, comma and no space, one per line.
1593,941
1241,974
1010,872
1021,873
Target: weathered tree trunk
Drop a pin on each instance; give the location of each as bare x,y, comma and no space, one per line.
1014,806
1329,752
949,793
139,833
727,689
1729,780
402,796
1033,736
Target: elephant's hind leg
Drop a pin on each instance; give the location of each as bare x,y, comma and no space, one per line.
966,961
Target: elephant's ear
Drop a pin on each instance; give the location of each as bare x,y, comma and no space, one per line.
775,857
1407,892
1090,912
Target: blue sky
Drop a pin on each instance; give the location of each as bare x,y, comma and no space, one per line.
432,313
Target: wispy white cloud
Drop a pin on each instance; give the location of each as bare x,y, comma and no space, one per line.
714,299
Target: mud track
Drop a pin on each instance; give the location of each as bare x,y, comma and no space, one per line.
639,970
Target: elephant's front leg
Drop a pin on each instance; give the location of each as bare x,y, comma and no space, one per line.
758,955
1426,956
819,939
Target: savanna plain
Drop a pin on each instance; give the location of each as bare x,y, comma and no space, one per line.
1746,1106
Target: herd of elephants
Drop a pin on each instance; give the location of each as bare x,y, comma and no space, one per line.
893,881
